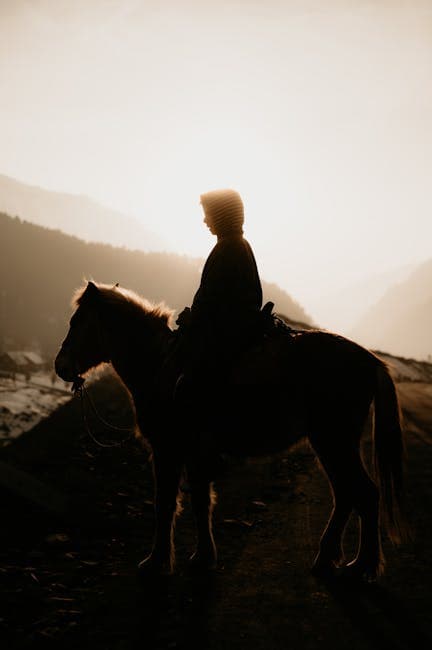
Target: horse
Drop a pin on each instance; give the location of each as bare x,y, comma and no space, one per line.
316,385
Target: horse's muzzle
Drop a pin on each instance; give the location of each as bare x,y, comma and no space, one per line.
64,369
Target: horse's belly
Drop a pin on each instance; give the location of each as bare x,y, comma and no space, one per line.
254,433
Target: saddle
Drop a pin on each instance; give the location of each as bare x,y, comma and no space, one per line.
252,365
271,324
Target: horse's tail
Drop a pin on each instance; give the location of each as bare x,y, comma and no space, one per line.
389,454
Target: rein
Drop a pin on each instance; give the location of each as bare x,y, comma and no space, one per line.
79,389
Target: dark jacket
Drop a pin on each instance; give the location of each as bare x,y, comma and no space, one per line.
225,309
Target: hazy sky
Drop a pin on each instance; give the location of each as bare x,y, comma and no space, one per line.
318,112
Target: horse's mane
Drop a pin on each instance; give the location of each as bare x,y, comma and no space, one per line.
123,300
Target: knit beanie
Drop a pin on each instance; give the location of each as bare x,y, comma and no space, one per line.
225,210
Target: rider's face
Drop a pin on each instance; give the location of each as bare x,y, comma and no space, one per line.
209,223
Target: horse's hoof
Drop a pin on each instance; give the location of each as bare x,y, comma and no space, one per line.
200,563
150,567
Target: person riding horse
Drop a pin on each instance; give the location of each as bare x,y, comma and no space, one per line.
335,383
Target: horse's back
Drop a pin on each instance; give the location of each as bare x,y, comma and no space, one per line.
321,344
290,356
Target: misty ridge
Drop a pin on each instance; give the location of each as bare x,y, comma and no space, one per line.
40,268
76,215
401,321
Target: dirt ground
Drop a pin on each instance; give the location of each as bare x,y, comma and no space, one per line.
68,571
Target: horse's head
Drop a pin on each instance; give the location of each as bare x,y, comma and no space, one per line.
84,346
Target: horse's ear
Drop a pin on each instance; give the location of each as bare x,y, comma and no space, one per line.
116,286
92,289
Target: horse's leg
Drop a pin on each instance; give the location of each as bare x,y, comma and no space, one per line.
167,471
353,489
330,553
369,561
203,499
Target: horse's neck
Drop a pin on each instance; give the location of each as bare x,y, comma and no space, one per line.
137,353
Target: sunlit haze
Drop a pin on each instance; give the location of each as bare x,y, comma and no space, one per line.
317,112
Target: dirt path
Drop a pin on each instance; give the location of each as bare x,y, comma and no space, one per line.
74,583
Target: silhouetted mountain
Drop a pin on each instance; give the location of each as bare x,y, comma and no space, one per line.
75,215
341,310
40,268
401,322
